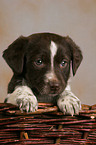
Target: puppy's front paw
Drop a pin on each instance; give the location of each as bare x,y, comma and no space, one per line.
69,104
24,98
27,103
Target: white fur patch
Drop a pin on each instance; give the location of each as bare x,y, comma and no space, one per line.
53,49
68,88
51,74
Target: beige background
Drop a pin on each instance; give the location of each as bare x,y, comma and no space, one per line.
76,18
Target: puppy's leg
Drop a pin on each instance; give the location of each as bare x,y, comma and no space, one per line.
24,98
68,103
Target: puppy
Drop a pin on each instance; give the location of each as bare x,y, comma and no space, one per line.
41,69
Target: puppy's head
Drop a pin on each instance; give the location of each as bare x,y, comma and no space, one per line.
44,61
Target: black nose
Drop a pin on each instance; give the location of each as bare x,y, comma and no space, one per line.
54,87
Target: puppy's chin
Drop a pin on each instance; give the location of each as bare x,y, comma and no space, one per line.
49,98
52,95
45,94
49,93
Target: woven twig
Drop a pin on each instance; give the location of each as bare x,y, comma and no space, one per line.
47,126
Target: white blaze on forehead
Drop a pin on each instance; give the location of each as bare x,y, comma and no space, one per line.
51,74
53,49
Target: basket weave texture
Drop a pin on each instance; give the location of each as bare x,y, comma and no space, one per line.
47,126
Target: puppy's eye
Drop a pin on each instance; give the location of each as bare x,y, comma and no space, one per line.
63,64
38,62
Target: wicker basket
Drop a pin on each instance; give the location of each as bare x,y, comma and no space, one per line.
47,126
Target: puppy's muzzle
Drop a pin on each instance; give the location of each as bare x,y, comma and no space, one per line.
54,87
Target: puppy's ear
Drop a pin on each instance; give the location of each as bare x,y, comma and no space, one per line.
76,54
14,54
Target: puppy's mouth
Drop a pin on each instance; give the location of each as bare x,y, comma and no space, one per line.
47,91
53,95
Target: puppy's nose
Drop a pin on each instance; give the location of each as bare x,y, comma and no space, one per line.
54,87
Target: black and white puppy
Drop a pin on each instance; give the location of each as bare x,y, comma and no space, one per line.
41,65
